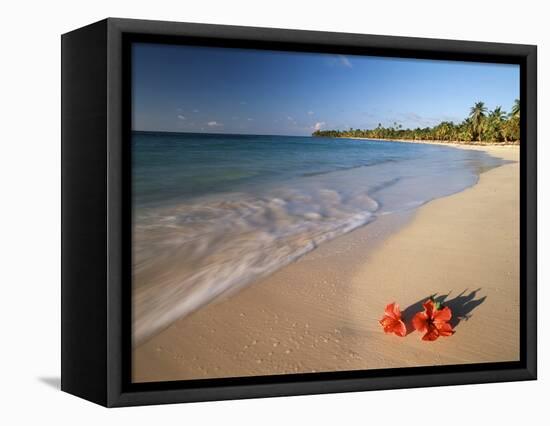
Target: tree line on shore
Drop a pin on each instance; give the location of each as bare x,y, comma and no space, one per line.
481,125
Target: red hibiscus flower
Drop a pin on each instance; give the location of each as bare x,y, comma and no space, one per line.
433,321
391,322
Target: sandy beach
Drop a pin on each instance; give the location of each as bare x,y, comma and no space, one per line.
321,313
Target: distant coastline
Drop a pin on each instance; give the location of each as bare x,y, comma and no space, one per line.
433,142
481,127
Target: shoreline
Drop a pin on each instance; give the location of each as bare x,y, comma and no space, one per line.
440,142
321,313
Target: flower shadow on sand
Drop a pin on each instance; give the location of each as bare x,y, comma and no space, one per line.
461,307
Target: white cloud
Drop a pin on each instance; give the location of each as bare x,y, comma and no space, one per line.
310,113
250,119
181,117
289,118
214,124
195,110
345,61
318,125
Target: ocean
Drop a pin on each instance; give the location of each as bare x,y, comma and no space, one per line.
213,213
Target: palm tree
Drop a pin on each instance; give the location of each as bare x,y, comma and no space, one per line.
494,128
477,116
498,114
444,131
515,109
507,130
513,121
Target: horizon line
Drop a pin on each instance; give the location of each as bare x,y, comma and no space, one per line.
219,133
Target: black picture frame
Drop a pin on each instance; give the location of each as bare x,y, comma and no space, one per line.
96,206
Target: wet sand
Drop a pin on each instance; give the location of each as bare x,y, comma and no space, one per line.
321,313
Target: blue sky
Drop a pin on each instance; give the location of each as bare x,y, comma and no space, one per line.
225,90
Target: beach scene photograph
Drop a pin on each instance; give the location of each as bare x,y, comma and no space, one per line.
298,212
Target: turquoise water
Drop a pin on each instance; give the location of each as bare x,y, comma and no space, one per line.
213,213
170,166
